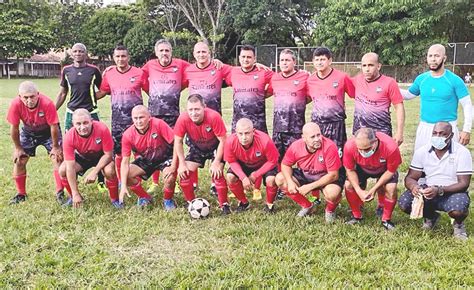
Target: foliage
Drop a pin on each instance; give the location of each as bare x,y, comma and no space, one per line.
140,40
399,32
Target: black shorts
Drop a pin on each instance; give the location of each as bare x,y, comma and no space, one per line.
272,172
336,131
447,203
149,167
170,120
29,141
283,140
117,133
85,163
363,176
198,156
302,179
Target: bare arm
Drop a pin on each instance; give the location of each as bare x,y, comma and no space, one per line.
124,169
386,176
61,97
287,172
330,177
411,181
100,94
56,150
400,112
103,161
15,135
72,179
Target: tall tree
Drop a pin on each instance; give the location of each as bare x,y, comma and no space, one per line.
140,40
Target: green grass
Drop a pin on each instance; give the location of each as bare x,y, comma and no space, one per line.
43,245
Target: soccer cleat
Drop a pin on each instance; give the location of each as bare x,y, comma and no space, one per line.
354,221
117,204
379,211
153,188
269,208
280,195
459,231
257,194
68,202
315,200
102,188
388,225
169,204
243,207
330,217
60,197
18,198
226,209
305,211
143,202
429,224
213,190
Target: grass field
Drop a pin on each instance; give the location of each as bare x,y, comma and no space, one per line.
43,245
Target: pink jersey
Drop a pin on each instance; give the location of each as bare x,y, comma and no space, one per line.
204,136
91,147
372,102
386,157
207,82
154,145
328,96
262,155
290,101
125,90
166,83
314,165
36,121
249,95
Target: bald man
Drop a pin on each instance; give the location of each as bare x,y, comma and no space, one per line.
371,154
150,139
375,93
40,127
251,155
440,91
448,169
317,168
88,145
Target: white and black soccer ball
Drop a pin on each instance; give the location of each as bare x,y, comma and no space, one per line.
199,208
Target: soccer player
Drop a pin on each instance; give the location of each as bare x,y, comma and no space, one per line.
371,154
40,127
206,133
79,82
249,86
151,139
124,83
88,145
374,92
204,79
440,91
448,169
327,88
318,163
251,155
290,97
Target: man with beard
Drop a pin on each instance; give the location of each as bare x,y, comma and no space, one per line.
440,91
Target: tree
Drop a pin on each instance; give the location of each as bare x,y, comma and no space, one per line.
399,31
106,29
140,41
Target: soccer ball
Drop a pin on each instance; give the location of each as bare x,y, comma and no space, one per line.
199,208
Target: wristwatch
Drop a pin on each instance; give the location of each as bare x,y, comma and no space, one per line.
440,190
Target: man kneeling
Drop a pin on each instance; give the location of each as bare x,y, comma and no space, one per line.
318,162
251,155
448,169
88,145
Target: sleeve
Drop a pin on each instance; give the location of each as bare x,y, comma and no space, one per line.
98,78
289,159
460,88
271,153
219,126
226,71
229,155
68,148
51,114
333,162
270,87
107,142
166,132
415,87
63,82
394,93
13,116
268,76
349,87
126,144
104,86
179,127
145,82
394,160
228,78
417,160
185,78
464,163
347,158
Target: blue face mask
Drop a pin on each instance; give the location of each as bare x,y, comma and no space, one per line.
367,154
438,142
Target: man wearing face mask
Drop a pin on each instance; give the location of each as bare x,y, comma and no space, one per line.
440,91
371,154
448,169
318,163
40,127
